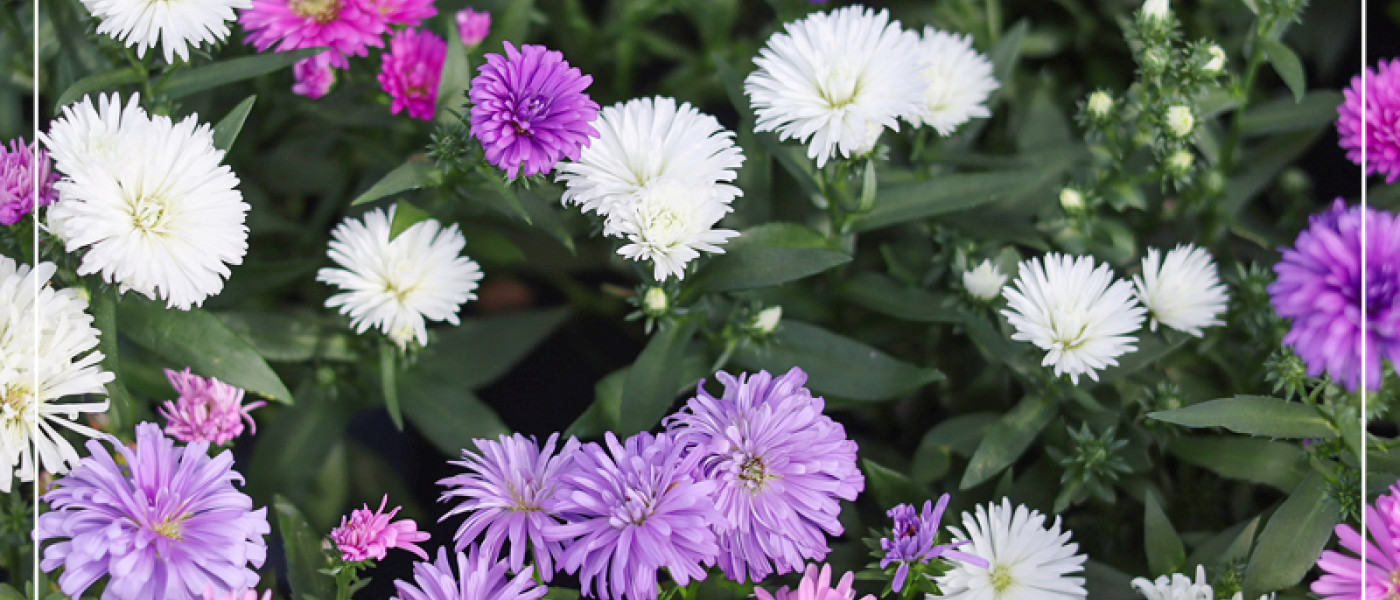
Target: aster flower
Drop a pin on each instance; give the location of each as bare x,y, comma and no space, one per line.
831,80
815,585
314,76
1382,139
208,410
631,510
1319,288
396,284
505,489
177,26
529,109
473,26
984,282
411,71
165,523
1183,291
403,12
912,540
1347,576
1076,310
957,81
1176,587
479,577
18,169
369,534
147,199
780,466
248,594
1026,560
62,360
346,27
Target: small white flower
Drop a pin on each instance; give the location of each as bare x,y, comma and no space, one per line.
957,81
396,284
1216,64
62,360
1100,104
1176,587
148,199
1155,9
176,24
1183,291
1180,121
985,281
1075,310
766,321
828,78
1027,561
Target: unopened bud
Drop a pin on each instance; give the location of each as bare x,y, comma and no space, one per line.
1180,121
1071,200
766,322
1155,9
473,26
655,303
1216,64
1179,163
1100,105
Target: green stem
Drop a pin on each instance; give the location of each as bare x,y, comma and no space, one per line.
1246,90
730,345
145,73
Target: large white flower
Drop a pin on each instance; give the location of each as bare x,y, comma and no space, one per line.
1183,291
176,24
838,80
957,81
660,176
395,284
148,200
1027,561
47,352
1080,313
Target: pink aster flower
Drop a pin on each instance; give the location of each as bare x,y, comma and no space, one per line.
314,75
815,586
529,109
369,535
1382,115
208,410
347,27
248,594
411,71
18,170
404,12
473,26
1346,577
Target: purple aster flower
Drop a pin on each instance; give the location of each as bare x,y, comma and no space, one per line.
369,535
815,586
1346,577
479,577
529,109
781,467
633,512
505,489
1382,116
18,170
412,70
208,410
1319,288
166,523
911,540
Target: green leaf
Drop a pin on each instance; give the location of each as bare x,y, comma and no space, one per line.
98,82
456,76
1292,539
8,592
1152,348
767,255
198,79
1286,64
302,547
1276,464
1007,439
996,347
901,203
448,415
406,215
1264,163
388,370
1317,109
835,364
199,340
1253,415
1165,552
295,337
1007,52
650,386
104,317
883,294
226,131
411,175
1043,125
891,487
481,350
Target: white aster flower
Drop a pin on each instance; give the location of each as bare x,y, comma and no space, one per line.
1176,587
395,284
957,81
176,24
1080,313
985,281
148,199
1026,560
660,176
1183,291
830,78
37,373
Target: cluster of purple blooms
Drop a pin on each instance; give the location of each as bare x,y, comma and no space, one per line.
21,167
913,541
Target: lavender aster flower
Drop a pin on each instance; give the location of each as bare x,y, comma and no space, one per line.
912,539
816,585
166,523
1319,288
529,109
480,577
781,467
1382,116
18,170
632,509
505,489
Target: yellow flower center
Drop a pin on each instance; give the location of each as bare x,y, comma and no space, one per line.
1001,578
322,11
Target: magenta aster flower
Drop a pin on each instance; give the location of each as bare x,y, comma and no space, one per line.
913,536
404,12
411,71
369,535
529,109
346,27
631,510
18,170
473,26
815,586
1345,577
314,76
208,410
480,577
1319,288
165,523
1382,116
505,489
781,467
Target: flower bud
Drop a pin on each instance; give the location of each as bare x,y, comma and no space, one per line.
1155,61
1071,200
1100,105
655,303
1180,121
1155,9
1179,163
473,26
1216,64
984,283
766,321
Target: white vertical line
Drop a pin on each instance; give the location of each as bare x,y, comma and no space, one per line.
34,214
1365,327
